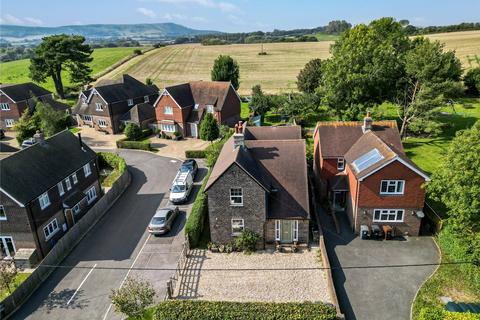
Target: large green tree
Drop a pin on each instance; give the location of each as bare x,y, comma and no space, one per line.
226,69
472,81
61,52
260,102
309,77
209,130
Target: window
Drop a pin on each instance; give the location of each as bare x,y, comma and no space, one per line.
61,191
44,200
5,106
130,102
392,186
98,106
76,208
146,99
50,229
74,178
237,227
388,215
236,197
196,106
87,170
340,164
7,247
295,230
68,183
3,215
9,123
209,108
367,160
277,230
91,194
168,127
102,123
87,118
168,110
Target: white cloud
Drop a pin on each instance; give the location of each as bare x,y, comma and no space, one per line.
146,12
223,6
174,16
236,20
199,19
11,19
34,21
8,18
227,7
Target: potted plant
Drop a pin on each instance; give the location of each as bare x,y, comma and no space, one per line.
212,247
177,135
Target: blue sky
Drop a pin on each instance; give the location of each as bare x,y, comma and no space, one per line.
235,15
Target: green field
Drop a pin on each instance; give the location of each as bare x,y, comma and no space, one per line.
17,71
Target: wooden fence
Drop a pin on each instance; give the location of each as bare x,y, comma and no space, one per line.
182,260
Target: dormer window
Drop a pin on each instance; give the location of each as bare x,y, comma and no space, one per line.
209,108
130,102
340,164
146,99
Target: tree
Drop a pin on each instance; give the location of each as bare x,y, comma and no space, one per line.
8,273
149,82
133,298
226,69
137,52
472,81
25,127
132,132
457,184
48,120
310,76
260,103
209,128
404,22
337,27
300,106
61,52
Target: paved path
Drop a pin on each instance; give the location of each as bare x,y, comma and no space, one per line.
382,292
117,243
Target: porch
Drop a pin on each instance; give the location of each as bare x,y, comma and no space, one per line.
337,190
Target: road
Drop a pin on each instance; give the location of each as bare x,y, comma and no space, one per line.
115,248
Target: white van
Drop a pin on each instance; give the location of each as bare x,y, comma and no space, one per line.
181,187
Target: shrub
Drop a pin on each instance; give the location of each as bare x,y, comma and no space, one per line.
199,154
117,163
139,145
209,128
132,132
216,310
440,314
133,298
196,219
137,52
247,241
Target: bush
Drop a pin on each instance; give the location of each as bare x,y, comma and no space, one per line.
440,314
111,160
216,310
139,145
247,241
132,132
137,52
199,154
196,219
133,298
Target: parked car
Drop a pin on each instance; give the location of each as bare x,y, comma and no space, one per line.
162,221
28,143
189,165
181,187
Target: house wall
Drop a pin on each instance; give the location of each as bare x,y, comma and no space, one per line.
179,114
410,224
351,196
15,112
303,231
230,114
221,213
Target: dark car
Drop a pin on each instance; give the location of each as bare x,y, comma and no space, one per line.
189,165
2,133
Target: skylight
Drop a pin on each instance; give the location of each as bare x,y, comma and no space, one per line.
367,160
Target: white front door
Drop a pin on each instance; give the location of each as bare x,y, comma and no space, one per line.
193,130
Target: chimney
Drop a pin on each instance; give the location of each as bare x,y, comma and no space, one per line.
367,122
38,137
238,137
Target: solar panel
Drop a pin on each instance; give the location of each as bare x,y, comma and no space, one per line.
367,160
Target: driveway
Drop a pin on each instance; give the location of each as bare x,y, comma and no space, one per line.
116,247
176,149
97,139
377,279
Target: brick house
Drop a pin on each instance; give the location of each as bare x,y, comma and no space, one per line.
259,183
103,106
181,108
16,98
44,190
363,171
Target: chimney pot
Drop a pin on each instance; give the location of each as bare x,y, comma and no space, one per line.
38,137
367,122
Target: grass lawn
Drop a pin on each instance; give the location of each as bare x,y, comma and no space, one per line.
244,111
325,37
75,130
20,278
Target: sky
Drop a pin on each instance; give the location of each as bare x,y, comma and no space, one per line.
235,15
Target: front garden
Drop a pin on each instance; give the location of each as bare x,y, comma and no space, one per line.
111,167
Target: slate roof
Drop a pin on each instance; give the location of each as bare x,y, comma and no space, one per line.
23,91
276,167
273,133
139,113
57,105
30,172
200,92
123,89
182,94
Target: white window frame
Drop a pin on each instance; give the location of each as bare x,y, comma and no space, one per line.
51,229
4,242
295,230
388,213
146,99
167,110
168,127
87,117
74,178
130,102
102,123
278,230
44,200
61,190
87,170
76,208
392,183
98,106
196,106
5,106
240,224
340,164
9,123
232,196
68,184
209,108
91,194
3,213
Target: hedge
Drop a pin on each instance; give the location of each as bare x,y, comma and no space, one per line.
108,159
196,219
141,145
223,310
195,154
440,314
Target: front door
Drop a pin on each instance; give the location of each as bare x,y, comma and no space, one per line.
287,234
193,129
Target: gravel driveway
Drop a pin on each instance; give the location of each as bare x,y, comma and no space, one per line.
239,277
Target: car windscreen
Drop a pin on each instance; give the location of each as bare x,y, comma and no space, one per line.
158,220
185,168
178,188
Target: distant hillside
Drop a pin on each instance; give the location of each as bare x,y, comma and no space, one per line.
147,32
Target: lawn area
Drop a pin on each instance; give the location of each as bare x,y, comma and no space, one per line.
75,130
17,71
21,276
244,111
325,37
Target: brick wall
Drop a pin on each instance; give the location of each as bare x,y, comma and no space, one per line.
410,224
15,112
230,114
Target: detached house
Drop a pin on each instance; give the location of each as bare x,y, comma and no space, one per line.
104,106
362,169
181,108
44,190
16,98
259,183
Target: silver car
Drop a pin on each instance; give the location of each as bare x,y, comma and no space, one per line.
163,220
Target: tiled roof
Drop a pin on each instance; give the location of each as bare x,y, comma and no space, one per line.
200,92
23,91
